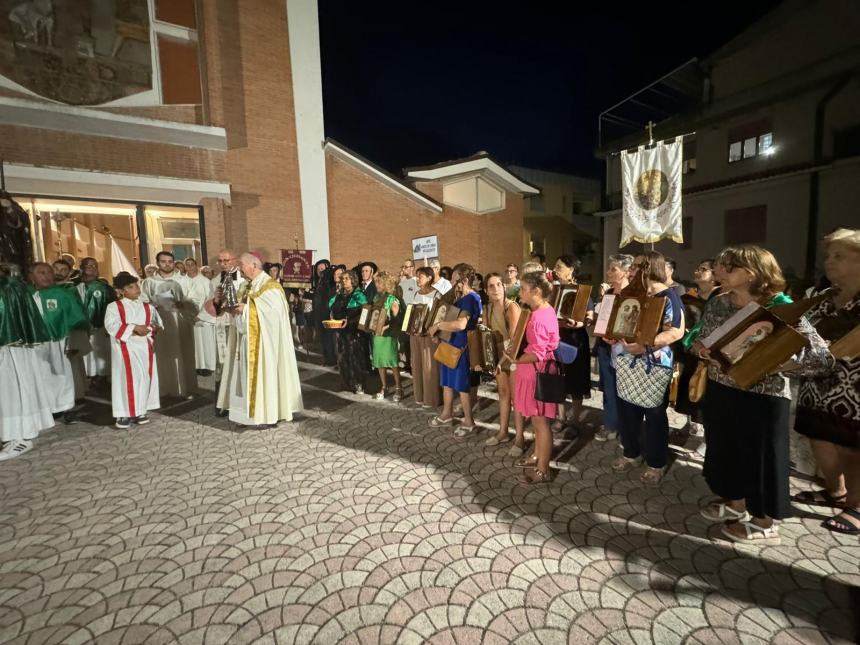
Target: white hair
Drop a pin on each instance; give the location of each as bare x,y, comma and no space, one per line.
250,258
434,263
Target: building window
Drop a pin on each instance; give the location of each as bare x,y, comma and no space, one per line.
175,27
746,225
564,204
536,204
687,232
537,244
82,228
689,156
578,208
751,140
735,149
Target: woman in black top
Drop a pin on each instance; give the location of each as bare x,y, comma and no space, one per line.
577,376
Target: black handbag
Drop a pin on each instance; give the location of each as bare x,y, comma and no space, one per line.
549,386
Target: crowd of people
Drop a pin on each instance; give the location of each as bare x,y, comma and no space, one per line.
66,332
155,337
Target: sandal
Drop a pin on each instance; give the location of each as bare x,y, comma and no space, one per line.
495,441
819,498
516,451
841,526
753,534
398,395
463,431
623,463
536,477
721,512
651,476
439,422
526,462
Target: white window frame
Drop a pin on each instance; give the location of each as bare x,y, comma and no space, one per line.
175,32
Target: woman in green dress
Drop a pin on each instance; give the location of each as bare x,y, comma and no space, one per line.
385,347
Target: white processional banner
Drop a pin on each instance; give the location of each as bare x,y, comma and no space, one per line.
652,193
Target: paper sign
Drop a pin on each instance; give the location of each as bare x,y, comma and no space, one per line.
604,314
424,248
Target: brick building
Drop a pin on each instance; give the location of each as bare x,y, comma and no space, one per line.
185,125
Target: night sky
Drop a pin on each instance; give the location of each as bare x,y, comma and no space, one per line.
414,83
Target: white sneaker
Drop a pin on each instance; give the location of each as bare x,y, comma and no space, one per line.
359,389
379,396
14,449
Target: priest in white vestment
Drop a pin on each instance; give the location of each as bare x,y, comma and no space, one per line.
175,347
260,384
199,291
132,324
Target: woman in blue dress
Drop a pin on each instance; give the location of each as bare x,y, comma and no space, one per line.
458,380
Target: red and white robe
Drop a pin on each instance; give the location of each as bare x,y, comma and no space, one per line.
134,371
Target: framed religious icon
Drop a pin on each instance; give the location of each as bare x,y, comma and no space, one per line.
635,318
413,319
571,301
847,346
372,319
842,331
752,344
451,314
518,336
485,348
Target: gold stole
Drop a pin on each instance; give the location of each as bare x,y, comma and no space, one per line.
254,337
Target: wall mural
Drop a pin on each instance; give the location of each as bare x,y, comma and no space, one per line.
81,52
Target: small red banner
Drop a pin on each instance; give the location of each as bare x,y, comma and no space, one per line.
297,267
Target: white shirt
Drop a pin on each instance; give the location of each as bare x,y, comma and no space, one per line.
409,287
443,286
425,299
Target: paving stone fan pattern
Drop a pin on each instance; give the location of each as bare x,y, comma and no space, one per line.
358,523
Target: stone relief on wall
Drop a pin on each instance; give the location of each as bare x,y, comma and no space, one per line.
81,52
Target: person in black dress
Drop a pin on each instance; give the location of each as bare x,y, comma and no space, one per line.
577,375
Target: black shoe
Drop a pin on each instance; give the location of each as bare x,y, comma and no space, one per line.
69,418
221,413
142,420
123,423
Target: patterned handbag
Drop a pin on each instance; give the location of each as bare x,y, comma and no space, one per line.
641,380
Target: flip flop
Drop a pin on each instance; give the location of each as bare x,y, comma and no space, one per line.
439,422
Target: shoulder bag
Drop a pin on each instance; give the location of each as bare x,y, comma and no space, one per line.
549,386
698,382
447,355
641,380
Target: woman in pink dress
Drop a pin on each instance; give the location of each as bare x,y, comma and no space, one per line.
542,340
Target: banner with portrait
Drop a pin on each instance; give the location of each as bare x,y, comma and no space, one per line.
297,268
651,179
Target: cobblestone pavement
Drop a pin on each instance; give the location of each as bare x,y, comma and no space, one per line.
358,523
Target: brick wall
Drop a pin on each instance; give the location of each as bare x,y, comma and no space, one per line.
249,89
369,220
248,95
